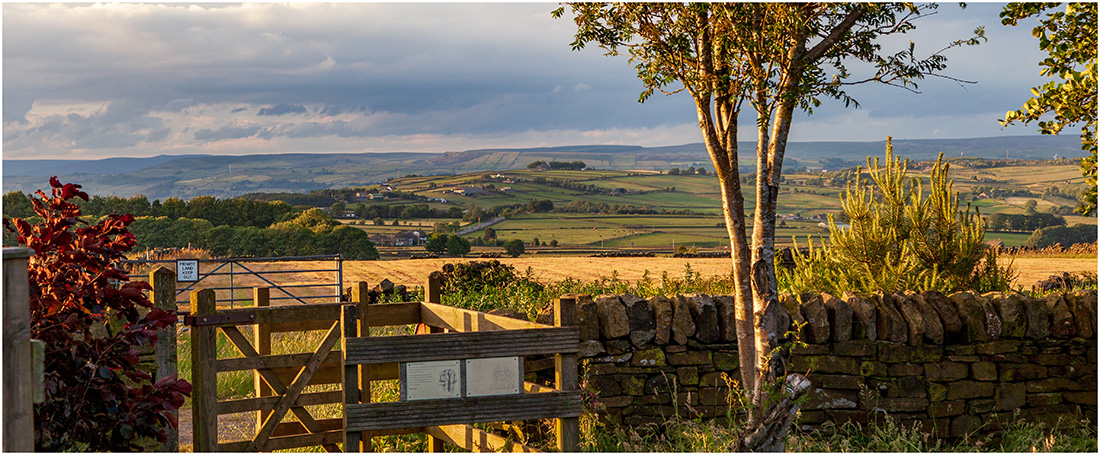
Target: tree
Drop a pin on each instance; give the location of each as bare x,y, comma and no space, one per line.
777,57
489,234
97,396
437,243
378,221
337,209
674,171
513,247
458,245
1069,37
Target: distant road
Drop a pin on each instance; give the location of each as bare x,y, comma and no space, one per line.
479,226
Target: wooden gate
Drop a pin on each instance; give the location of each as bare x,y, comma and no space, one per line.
281,380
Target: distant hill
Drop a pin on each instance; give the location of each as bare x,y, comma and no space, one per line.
187,176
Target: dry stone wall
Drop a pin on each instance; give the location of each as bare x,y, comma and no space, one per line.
951,364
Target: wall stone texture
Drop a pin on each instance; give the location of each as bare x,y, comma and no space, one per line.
950,364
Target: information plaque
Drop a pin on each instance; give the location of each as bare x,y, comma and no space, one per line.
432,380
493,376
187,270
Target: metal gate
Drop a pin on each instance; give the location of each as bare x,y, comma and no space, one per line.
287,278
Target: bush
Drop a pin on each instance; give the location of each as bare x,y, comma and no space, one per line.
901,240
458,245
97,396
514,247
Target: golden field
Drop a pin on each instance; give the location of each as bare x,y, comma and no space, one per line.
413,272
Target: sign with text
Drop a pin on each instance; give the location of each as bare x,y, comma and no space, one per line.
432,380
187,270
493,376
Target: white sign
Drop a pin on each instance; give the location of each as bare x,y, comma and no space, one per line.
187,270
493,376
433,380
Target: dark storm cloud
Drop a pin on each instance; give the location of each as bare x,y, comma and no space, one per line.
282,109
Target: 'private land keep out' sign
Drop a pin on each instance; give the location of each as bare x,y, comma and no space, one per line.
187,270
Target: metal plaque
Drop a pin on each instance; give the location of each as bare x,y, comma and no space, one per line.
493,376
187,270
432,380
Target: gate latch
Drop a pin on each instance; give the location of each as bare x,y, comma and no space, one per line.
220,319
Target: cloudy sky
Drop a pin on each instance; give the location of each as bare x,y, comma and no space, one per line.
84,81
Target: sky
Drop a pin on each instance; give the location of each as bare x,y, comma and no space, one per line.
89,81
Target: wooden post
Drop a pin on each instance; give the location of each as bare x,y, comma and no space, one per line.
18,393
565,375
433,292
348,319
204,374
262,340
360,295
163,295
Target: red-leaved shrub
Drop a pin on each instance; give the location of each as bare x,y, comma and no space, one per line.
97,396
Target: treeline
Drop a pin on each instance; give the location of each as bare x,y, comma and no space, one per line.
219,212
985,163
404,212
558,165
312,232
329,196
1065,236
1023,222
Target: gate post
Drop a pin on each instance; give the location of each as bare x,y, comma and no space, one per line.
567,429
165,356
433,293
204,374
18,407
262,298
360,295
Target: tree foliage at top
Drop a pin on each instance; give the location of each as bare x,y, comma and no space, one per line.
1069,37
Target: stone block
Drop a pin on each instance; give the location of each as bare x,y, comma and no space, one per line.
1044,399
927,353
1038,319
840,416
1081,316
705,314
972,316
618,347
811,349
714,396
872,369
689,358
597,369
970,389
825,364
632,385
983,371
891,324
725,361
662,318
993,325
936,392
606,386
590,348
894,352
683,326
933,328
946,408
790,303
837,381
1010,396
945,371
1021,372
812,417
1013,315
840,314
905,369
688,375
861,348
674,348
652,357
655,398
998,347
689,398
614,358
980,406
1052,385
949,316
643,326
965,425
817,317
588,318
893,405
616,402
864,321
832,399
1083,398
727,317
1061,323
914,322
612,314
906,387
